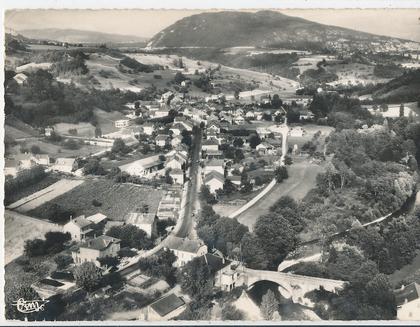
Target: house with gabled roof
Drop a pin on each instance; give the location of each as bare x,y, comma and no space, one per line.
143,167
79,228
214,165
185,249
145,221
96,248
165,308
214,181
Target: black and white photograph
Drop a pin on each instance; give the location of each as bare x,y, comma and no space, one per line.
178,166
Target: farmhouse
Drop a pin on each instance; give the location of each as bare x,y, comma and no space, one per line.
214,181
122,123
166,308
184,249
145,221
96,248
143,167
79,228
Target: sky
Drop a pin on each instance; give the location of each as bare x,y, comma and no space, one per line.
402,23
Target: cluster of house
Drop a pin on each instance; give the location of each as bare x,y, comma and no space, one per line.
20,162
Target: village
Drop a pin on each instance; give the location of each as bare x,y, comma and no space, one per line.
238,183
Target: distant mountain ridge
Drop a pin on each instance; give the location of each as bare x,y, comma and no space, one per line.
259,29
78,36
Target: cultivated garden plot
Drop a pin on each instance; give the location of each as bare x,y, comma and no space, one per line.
113,200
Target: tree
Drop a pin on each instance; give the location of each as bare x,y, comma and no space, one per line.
236,94
401,110
98,131
57,213
186,138
35,247
93,167
229,312
87,276
269,305
254,140
206,195
131,236
276,236
35,149
196,280
228,187
62,260
179,78
276,102
238,142
281,174
119,146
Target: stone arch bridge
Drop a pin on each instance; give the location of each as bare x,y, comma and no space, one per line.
290,285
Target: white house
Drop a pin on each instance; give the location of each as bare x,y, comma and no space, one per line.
185,249
93,249
408,302
121,123
214,181
162,140
148,128
143,167
210,145
145,221
79,228
214,127
177,129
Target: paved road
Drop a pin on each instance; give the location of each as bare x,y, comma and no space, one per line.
187,222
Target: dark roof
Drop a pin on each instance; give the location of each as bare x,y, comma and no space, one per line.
214,174
167,304
51,282
100,243
409,293
214,262
64,275
81,221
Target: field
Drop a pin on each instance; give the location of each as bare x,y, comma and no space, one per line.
310,130
83,129
54,150
106,120
117,200
47,194
17,229
354,73
28,190
302,178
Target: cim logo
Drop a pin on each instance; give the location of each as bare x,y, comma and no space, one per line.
29,306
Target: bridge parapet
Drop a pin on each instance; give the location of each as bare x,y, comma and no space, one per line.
291,285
